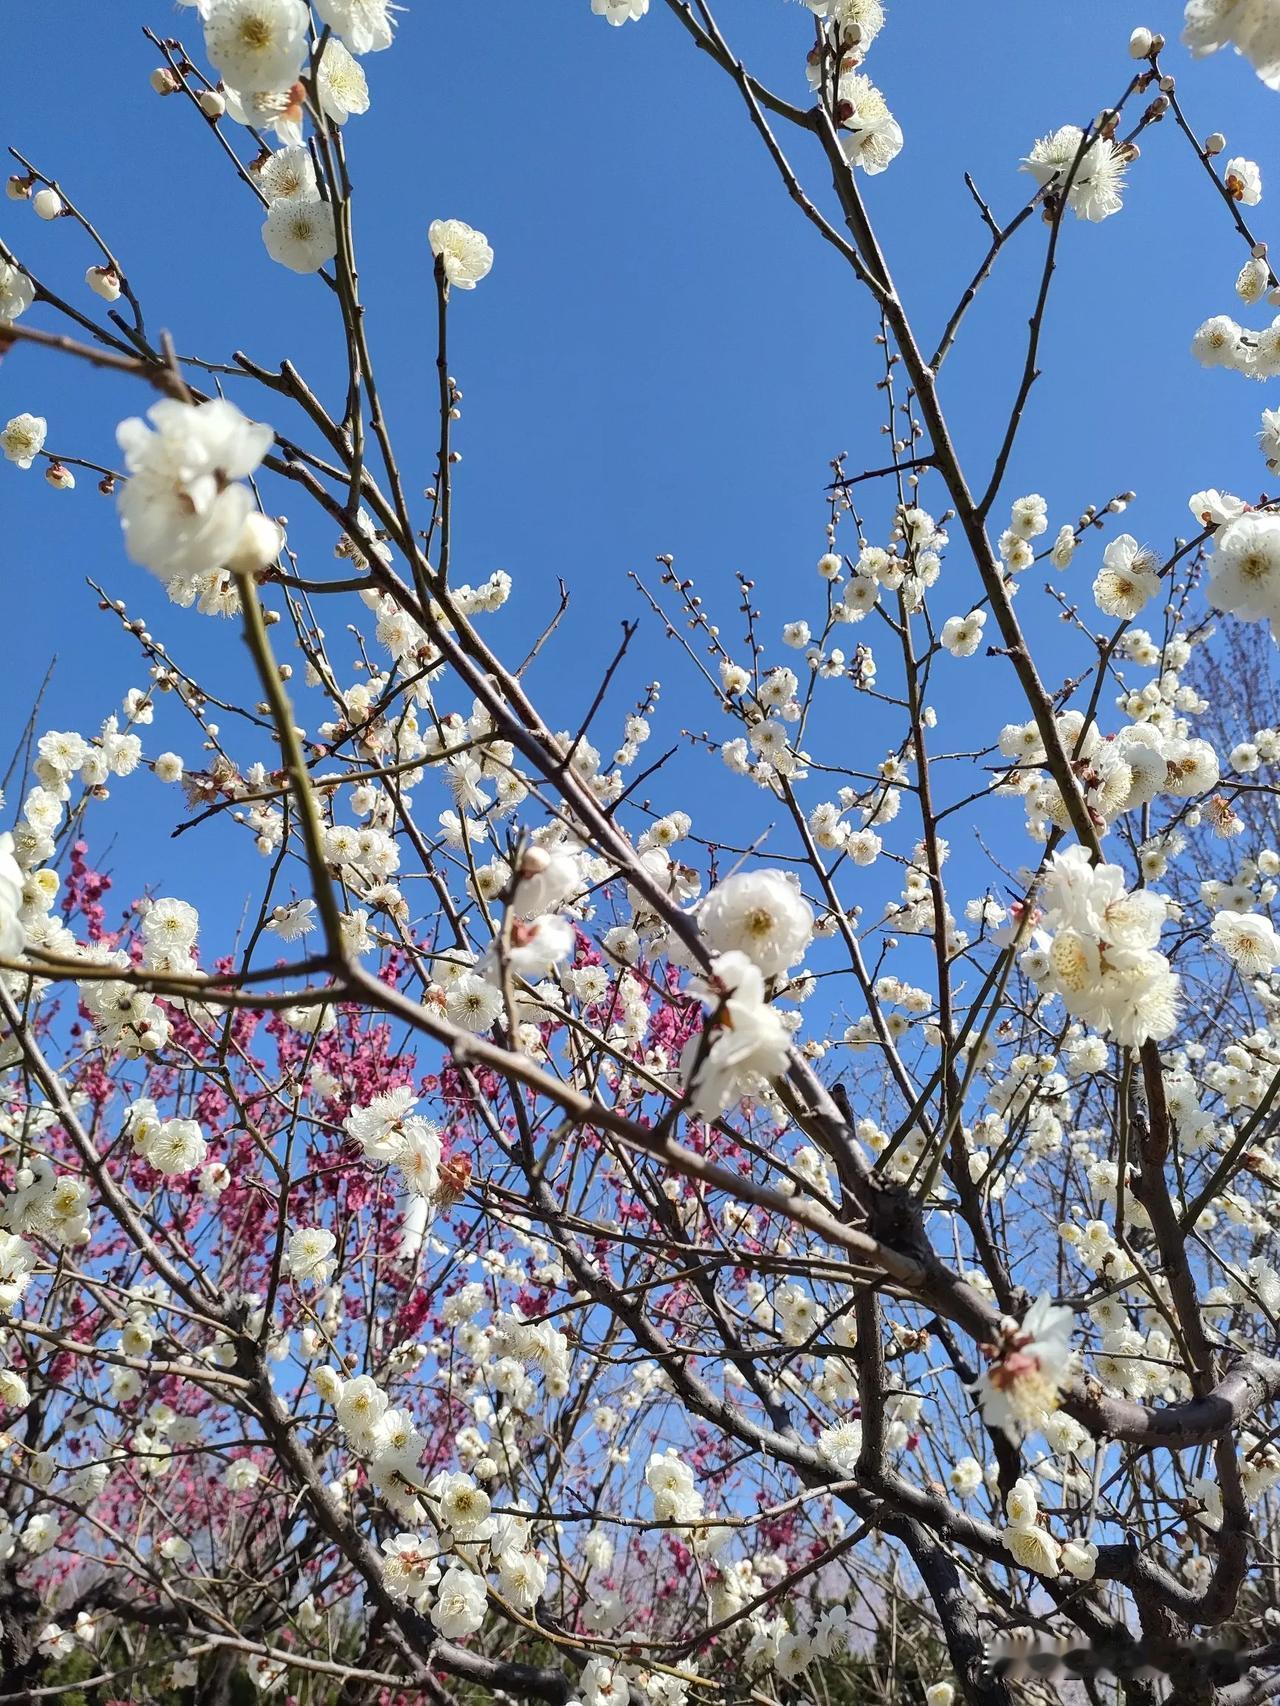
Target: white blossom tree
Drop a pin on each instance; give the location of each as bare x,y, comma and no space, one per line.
561,1248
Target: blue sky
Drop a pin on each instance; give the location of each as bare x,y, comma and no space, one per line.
664,358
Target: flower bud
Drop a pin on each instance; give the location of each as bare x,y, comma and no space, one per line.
1141,43
60,477
48,204
104,282
212,103
18,188
328,1383
1215,144
165,81
258,545
534,860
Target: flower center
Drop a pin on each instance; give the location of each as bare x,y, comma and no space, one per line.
1255,566
759,921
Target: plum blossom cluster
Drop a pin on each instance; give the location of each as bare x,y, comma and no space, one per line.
869,134
1097,950
1032,1544
443,1573
262,50
1154,754
382,1435
388,1130
1089,171
172,1146
186,512
758,926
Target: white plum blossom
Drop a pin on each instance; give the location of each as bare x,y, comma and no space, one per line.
1128,579
299,232
745,1042
39,1534
535,945
1030,516
365,26
183,508
460,1603
1219,342
761,914
175,1147
310,1255
1253,279
675,1496
1080,1559
242,1475
17,292
1021,1503
1213,508
257,45
341,84
842,1446
14,1391
22,439
869,134
278,112
1248,940
1247,25
473,1003
1095,170
1244,571
293,921
1019,1391
411,1567
465,254
962,635
620,11
17,1259
1243,181
13,933
965,1477
289,175
388,1130
1034,1549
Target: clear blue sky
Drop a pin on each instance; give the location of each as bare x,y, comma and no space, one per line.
664,357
